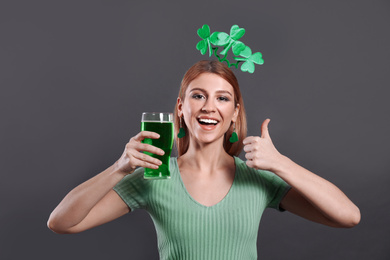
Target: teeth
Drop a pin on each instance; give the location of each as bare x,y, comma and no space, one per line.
208,121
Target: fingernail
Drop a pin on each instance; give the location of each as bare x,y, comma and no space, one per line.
162,152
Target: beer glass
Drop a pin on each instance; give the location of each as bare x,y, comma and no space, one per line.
161,123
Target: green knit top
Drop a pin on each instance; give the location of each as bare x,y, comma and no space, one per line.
187,229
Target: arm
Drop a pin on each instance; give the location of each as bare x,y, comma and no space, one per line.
315,198
311,196
94,202
90,204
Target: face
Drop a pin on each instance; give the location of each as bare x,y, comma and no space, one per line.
208,108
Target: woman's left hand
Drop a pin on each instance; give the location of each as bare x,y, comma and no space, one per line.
260,151
311,196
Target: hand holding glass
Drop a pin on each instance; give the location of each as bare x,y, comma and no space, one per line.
161,123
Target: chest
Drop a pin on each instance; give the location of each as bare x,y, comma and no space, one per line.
208,191
208,212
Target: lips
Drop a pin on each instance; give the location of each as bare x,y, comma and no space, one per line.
205,121
208,123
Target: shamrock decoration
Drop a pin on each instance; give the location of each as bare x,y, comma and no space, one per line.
250,59
181,133
204,44
228,42
233,138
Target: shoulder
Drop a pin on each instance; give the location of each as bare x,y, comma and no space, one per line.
242,168
256,174
134,179
265,182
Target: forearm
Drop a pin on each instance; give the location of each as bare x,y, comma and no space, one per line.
324,196
77,203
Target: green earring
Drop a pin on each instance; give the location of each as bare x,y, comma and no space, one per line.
182,132
234,137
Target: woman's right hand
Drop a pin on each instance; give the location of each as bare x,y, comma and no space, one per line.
134,157
94,202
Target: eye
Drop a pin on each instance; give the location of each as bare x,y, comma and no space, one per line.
222,98
197,96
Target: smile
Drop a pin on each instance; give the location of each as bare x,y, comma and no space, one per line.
208,124
205,121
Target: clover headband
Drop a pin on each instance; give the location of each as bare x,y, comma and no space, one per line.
228,42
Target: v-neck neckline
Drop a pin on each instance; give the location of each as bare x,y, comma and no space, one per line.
219,202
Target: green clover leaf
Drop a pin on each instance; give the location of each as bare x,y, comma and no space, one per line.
257,58
204,44
250,59
246,53
238,47
204,32
220,38
248,66
228,41
236,32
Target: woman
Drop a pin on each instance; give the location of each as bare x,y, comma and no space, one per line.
212,205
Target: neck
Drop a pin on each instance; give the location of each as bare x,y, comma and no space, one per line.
206,158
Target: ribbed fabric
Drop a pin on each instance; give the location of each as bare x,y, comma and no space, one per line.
187,229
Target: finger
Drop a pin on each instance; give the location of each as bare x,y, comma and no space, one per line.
250,163
248,148
249,156
145,164
249,140
146,159
148,148
264,128
146,134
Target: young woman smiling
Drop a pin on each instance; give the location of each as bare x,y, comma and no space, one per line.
212,205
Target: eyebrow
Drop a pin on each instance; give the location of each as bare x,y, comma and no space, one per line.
218,91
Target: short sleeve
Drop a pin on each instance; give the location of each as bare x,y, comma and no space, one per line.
277,189
133,189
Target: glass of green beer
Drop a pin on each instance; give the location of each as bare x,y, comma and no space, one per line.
161,123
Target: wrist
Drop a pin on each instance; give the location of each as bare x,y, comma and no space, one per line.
117,171
282,166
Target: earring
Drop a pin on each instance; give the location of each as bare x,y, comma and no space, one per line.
182,132
234,137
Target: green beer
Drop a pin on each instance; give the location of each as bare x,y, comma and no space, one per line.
165,142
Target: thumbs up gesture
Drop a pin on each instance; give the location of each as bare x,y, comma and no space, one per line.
260,151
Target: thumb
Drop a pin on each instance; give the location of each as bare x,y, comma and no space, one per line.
264,129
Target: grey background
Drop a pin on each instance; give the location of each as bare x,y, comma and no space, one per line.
75,77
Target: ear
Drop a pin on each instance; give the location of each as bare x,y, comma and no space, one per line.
235,115
179,107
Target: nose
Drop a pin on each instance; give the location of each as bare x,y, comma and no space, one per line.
209,106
